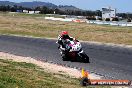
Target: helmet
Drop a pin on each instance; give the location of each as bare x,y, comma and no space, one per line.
64,33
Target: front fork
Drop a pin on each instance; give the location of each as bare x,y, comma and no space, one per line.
79,53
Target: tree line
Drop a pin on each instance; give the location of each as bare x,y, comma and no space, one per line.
46,10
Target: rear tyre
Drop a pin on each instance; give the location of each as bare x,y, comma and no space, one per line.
64,58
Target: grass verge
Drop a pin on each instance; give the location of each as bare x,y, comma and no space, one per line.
30,25
27,75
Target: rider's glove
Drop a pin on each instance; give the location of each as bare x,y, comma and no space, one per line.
75,39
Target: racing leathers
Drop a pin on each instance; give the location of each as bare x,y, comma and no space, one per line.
62,41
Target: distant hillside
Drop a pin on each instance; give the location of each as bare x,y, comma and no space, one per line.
7,3
38,3
29,4
66,7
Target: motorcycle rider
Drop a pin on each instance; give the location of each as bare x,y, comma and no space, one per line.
64,47
62,39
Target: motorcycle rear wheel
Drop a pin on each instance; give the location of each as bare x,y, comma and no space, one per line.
64,58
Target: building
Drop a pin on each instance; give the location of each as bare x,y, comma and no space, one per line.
108,13
31,12
25,11
37,12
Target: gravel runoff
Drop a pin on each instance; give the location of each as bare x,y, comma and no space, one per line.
53,68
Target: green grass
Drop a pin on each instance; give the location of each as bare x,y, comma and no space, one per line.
27,75
31,25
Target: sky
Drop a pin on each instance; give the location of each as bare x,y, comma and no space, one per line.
120,5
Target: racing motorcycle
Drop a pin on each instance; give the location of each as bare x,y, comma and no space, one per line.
73,52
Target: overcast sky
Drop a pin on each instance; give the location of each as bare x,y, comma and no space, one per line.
120,5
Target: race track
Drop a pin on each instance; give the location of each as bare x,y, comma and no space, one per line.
108,61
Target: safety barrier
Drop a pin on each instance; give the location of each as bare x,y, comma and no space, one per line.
129,24
59,19
123,24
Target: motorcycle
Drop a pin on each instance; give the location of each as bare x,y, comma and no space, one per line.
73,52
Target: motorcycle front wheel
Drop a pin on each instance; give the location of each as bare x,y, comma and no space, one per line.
85,58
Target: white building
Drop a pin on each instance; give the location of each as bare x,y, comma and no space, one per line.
31,12
37,12
108,13
25,11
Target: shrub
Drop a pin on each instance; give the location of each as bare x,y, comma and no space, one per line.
107,19
99,18
129,20
115,19
91,18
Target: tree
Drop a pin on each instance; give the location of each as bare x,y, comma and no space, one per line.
107,19
115,19
98,13
4,8
37,8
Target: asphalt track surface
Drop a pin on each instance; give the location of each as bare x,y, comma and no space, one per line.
107,61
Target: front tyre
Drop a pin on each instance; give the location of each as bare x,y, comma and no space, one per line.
85,58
